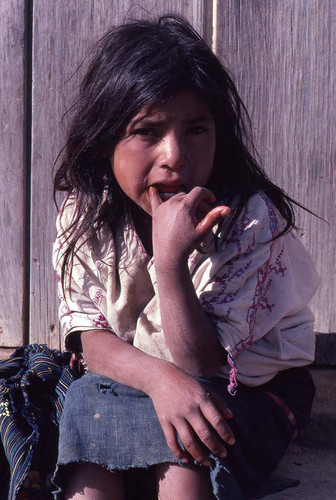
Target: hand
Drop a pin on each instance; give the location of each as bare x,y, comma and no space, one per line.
188,410
182,222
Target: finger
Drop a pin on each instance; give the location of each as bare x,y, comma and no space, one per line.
204,207
190,442
199,194
208,437
211,219
154,198
218,421
221,405
172,442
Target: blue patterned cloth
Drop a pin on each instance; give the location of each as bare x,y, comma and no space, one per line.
33,384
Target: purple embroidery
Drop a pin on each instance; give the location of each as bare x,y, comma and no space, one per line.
67,323
233,373
273,266
58,245
274,227
264,281
150,264
100,322
98,297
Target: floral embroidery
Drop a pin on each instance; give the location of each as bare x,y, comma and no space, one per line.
98,297
264,281
224,294
58,245
100,321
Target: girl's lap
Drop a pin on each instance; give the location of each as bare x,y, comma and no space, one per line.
116,427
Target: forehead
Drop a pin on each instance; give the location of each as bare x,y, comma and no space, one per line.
184,104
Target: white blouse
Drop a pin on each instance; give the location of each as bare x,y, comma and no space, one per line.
254,288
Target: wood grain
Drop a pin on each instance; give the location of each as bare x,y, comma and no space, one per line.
62,35
5,353
12,194
283,55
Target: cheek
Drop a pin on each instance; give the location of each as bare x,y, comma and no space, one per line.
205,160
120,172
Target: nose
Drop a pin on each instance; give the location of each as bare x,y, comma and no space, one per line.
173,153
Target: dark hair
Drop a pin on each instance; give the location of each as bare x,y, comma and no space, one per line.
138,63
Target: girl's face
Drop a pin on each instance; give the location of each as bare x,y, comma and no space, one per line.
169,145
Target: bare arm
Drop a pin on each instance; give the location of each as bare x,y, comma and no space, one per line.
183,406
179,225
190,335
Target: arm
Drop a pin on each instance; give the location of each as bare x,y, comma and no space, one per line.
184,407
182,404
179,225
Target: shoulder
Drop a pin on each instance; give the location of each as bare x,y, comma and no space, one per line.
89,247
66,215
257,223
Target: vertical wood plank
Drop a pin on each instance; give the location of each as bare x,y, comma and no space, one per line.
283,55
12,194
62,33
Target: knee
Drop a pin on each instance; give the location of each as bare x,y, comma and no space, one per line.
92,482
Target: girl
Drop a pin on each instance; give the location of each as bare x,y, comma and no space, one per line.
181,276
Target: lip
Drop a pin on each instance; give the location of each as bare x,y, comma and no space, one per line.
168,190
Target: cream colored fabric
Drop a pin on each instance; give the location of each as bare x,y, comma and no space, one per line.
255,290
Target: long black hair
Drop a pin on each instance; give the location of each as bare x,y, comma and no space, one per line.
138,63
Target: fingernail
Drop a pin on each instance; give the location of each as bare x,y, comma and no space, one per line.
223,454
231,440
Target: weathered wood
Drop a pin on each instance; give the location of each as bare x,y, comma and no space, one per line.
12,195
283,55
5,353
62,34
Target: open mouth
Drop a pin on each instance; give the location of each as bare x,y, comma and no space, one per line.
167,192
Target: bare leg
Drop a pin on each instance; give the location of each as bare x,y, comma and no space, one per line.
92,482
189,483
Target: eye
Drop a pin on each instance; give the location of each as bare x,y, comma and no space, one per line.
197,130
147,132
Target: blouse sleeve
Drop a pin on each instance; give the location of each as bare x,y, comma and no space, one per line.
82,292
254,280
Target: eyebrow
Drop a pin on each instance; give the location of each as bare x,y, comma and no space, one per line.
148,121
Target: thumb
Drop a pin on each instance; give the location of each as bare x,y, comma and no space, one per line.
211,219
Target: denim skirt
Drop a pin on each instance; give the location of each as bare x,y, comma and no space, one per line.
112,425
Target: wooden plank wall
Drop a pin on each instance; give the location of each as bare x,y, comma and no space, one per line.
12,182
284,57
63,32
282,54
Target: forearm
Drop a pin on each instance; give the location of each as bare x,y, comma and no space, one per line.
179,225
189,333
108,355
179,400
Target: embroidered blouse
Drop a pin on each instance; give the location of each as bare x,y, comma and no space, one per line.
254,288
